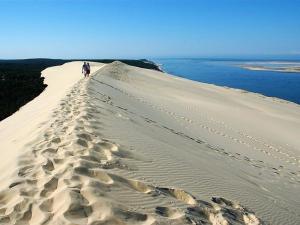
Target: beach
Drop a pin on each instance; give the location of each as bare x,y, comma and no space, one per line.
137,146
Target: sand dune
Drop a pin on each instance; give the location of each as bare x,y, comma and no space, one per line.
136,146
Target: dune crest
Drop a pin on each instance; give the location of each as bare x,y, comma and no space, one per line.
122,148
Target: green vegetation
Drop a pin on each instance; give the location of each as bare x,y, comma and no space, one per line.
21,81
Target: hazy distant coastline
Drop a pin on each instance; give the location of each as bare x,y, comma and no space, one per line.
286,69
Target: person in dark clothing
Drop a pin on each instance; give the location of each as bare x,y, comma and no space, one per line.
84,69
88,69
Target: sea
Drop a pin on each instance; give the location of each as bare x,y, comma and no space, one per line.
229,73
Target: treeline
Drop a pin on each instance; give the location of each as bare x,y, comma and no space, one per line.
21,81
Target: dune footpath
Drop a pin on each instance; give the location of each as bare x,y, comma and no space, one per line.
136,146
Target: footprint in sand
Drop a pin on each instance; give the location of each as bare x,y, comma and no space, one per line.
49,187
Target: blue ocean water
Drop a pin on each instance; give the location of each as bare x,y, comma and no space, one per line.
225,72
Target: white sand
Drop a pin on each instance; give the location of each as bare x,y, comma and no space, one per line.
284,69
23,126
135,146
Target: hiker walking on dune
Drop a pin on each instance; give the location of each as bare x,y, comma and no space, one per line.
86,69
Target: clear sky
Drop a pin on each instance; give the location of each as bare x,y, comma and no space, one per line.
148,28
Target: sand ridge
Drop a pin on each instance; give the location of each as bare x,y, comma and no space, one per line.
65,178
120,150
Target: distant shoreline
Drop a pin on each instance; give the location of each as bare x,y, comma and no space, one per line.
287,69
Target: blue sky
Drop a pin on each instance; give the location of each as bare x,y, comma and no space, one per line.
148,28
